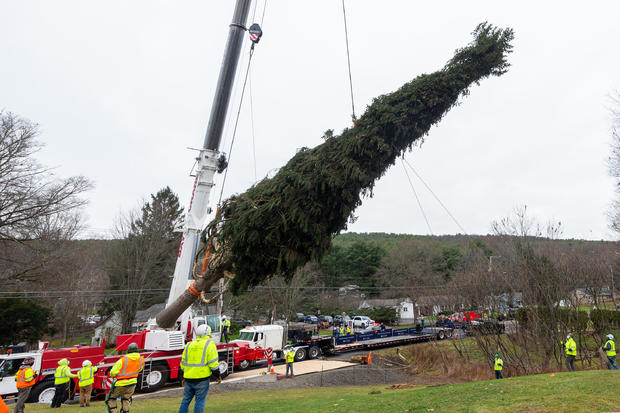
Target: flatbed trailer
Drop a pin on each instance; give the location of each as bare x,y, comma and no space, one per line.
312,347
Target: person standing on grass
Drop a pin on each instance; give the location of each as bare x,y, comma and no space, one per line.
290,359
24,380
570,347
200,362
499,366
62,377
610,350
125,372
87,377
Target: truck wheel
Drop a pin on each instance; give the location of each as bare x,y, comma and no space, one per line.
449,333
314,352
42,393
300,354
441,335
156,379
243,364
223,366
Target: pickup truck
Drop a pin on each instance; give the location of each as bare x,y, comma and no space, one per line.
361,321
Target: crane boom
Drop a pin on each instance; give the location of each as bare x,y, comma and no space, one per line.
206,165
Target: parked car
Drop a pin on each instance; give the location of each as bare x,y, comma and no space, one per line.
311,319
241,322
361,321
341,320
326,319
300,317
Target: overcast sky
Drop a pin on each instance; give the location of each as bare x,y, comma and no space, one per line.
121,89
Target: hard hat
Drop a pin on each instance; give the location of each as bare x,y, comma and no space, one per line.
203,330
28,362
569,335
497,355
86,363
223,317
610,336
132,346
63,361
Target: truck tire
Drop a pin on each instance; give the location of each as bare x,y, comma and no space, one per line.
300,354
314,352
243,364
43,392
441,335
156,379
449,333
223,365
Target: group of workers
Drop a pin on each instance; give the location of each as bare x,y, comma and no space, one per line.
570,350
344,331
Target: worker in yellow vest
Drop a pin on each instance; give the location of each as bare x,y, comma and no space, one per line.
348,330
341,331
225,328
62,377
86,377
125,372
200,363
24,380
289,356
570,348
499,366
610,350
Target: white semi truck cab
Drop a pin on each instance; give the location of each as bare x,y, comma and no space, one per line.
267,336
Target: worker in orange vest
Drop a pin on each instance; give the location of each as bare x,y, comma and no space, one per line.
24,380
3,407
125,371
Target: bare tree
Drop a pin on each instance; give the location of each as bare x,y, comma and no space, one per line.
30,192
142,257
613,163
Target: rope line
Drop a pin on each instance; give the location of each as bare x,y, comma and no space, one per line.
418,200
436,197
346,36
234,135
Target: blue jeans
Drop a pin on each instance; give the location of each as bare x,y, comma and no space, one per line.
289,366
611,362
197,389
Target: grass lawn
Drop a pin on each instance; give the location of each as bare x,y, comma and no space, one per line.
584,391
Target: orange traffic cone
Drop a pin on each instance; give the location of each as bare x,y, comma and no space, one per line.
272,371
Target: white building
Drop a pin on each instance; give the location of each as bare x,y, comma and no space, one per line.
403,306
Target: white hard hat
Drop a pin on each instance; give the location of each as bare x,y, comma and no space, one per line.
203,330
610,336
86,363
223,317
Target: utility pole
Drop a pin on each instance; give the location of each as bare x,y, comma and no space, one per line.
180,299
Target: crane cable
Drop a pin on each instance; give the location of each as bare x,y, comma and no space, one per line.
415,194
432,193
346,37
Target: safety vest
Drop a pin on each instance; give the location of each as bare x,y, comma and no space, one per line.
571,347
612,350
499,364
290,356
227,324
199,358
341,331
62,375
3,407
348,330
86,375
25,378
127,369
